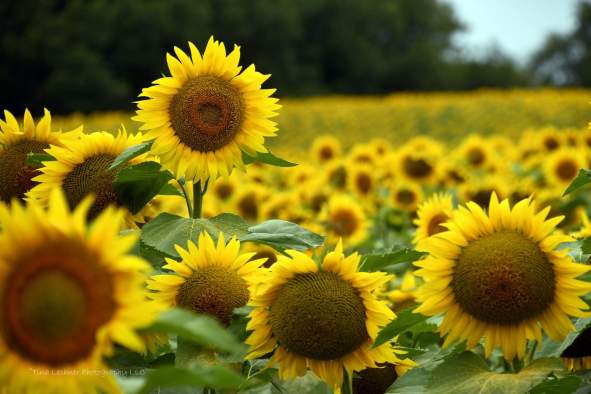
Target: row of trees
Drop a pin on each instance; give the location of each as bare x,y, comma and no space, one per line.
97,54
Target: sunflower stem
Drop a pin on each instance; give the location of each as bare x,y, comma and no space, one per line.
347,387
198,194
182,184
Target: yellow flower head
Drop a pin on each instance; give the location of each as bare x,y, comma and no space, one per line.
16,142
344,219
501,276
326,148
320,318
431,215
211,279
207,112
69,292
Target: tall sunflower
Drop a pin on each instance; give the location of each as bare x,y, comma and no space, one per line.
577,356
431,215
211,279
207,112
81,168
68,292
16,142
324,319
500,275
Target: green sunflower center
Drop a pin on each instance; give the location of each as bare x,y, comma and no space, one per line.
319,316
54,303
567,170
435,224
91,176
344,222
15,175
213,290
374,380
417,168
206,113
503,278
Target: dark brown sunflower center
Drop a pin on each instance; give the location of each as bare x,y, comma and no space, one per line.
55,302
248,206
326,153
581,346
206,113
374,380
551,143
567,170
435,224
224,190
475,157
417,168
318,200
270,257
338,177
344,222
503,278
482,197
15,174
319,315
406,197
363,183
214,290
91,177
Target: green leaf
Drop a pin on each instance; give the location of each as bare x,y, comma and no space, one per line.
567,384
210,376
413,382
586,245
405,320
169,190
583,178
230,224
36,159
136,185
468,373
282,235
130,153
377,261
199,329
267,158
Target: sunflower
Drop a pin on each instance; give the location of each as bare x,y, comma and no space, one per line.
417,161
380,146
476,153
562,166
361,180
325,148
431,215
378,380
207,112
500,275
224,188
81,168
363,154
336,174
15,143
279,206
325,319
549,140
68,292
405,294
585,229
261,252
405,195
344,218
248,201
479,189
210,279
577,356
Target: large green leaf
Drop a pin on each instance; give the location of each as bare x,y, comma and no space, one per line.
282,235
468,373
230,224
136,185
405,320
130,153
267,158
554,385
583,178
36,159
210,376
199,329
378,261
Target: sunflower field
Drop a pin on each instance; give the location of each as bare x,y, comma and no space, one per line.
423,243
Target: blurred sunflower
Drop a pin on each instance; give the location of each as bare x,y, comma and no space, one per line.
81,168
69,292
224,188
549,140
344,219
209,279
207,112
378,380
323,319
325,148
475,152
248,201
577,356
363,154
279,206
479,189
431,215
361,181
405,195
419,166
500,275
336,174
380,146
405,294
261,252
562,166
16,176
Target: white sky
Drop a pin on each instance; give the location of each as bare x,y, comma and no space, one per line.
518,27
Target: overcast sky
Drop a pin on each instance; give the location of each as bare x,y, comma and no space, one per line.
517,26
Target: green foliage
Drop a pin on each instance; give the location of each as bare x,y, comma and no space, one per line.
198,329
36,159
554,385
137,185
130,153
382,261
404,321
266,158
583,178
283,235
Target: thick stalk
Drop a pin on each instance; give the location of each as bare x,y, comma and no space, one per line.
198,194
